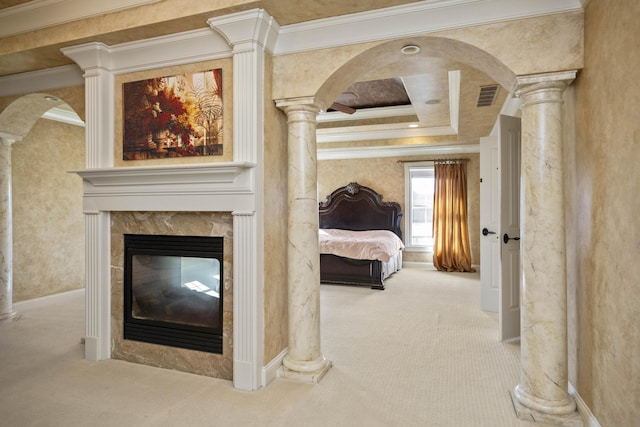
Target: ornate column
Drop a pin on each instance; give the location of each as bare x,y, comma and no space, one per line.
542,394
95,60
304,360
6,229
251,34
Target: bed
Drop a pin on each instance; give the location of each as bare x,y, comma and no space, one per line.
360,211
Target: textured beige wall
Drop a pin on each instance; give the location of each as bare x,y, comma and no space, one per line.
386,176
48,224
607,206
276,315
503,50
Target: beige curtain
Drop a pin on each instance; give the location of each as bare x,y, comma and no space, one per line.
451,249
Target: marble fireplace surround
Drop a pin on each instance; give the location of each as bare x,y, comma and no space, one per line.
208,199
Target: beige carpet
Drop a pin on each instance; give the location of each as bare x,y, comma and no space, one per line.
420,353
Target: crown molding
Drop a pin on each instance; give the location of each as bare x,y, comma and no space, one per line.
242,29
41,80
383,131
394,151
369,113
411,19
39,14
157,52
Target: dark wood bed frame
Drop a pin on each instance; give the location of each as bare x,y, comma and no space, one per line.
359,208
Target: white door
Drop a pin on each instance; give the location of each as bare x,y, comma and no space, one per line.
500,214
490,222
510,227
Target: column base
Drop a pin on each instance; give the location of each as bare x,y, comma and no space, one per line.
525,413
9,315
306,376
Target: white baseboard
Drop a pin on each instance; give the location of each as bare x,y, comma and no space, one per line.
584,411
270,371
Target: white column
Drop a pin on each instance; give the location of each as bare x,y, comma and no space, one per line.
542,394
304,360
251,34
247,304
95,61
6,229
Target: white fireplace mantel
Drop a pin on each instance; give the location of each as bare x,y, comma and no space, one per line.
196,187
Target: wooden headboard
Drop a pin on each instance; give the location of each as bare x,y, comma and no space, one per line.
359,208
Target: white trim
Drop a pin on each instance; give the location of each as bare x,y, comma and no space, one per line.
170,50
454,99
163,51
38,14
408,218
383,131
197,187
369,113
510,107
395,151
583,409
58,114
411,19
270,371
41,80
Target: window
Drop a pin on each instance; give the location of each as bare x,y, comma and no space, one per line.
419,185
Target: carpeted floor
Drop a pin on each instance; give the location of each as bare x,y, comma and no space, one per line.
420,353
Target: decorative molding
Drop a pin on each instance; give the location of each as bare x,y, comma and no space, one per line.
62,115
394,151
248,309
271,369
199,187
39,14
383,131
411,19
41,80
583,409
393,130
98,286
564,76
246,28
164,51
369,113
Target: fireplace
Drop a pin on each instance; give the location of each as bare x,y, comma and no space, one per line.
173,291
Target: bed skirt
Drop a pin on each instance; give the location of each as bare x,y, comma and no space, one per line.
347,271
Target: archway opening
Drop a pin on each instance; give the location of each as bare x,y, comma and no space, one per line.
47,220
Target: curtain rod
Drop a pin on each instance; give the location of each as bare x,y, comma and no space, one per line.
435,161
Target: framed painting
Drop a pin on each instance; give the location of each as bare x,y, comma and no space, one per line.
173,116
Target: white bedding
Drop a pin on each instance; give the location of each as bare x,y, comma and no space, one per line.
382,245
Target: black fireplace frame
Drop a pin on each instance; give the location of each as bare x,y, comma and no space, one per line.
191,337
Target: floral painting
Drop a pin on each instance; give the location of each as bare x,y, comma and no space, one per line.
173,116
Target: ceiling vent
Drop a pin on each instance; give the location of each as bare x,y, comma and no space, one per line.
487,95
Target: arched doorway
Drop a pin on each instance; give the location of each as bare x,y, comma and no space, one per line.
43,231
543,387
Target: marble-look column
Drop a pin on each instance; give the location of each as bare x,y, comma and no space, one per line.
542,394
6,231
304,360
